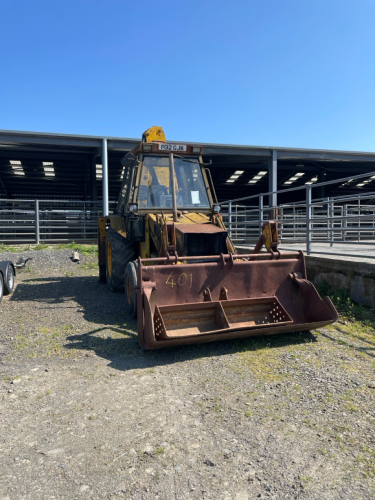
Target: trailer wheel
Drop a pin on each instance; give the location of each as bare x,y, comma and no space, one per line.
9,281
119,253
130,291
1,287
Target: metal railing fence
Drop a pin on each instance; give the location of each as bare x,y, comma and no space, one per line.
347,220
49,221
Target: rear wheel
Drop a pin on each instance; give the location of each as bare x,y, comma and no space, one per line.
9,282
130,291
119,252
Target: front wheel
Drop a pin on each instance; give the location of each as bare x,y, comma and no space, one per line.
130,290
119,252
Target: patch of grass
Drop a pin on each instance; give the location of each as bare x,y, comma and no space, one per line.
89,265
7,248
82,249
349,310
304,479
69,274
160,450
41,246
248,413
367,463
262,362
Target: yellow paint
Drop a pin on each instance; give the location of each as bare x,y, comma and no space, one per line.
117,222
181,281
190,218
154,134
172,283
144,248
102,229
270,234
162,174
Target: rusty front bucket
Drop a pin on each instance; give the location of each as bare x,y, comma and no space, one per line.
225,298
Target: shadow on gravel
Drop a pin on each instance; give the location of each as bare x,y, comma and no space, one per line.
107,310
125,354
364,349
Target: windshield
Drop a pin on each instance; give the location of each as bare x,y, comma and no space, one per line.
155,189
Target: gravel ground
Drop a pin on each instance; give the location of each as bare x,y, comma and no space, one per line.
85,413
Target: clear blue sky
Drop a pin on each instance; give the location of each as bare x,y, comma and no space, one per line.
263,72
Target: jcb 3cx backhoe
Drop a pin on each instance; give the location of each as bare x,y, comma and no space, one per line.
167,246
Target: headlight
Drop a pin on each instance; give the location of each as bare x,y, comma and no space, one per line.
133,207
217,208
196,149
147,147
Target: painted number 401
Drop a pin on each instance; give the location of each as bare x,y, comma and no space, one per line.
183,279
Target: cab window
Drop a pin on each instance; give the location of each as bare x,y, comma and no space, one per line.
155,188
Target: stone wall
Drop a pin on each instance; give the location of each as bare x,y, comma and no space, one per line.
356,276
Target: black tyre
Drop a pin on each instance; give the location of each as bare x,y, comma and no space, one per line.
9,281
119,252
130,291
1,287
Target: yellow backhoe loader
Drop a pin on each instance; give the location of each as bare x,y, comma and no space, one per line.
168,248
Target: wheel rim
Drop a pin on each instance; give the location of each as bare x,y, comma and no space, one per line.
1,287
10,279
128,290
109,258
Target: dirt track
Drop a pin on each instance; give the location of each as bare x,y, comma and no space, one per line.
85,413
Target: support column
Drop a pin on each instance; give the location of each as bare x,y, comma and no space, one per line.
105,177
272,183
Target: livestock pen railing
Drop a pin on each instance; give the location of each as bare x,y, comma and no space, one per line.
311,223
53,221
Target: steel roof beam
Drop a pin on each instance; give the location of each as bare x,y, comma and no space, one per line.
316,155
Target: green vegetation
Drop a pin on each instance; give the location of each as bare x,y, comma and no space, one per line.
82,249
356,324
40,246
7,248
348,310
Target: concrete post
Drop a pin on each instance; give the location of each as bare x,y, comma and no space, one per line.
105,178
37,232
230,219
308,220
272,184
